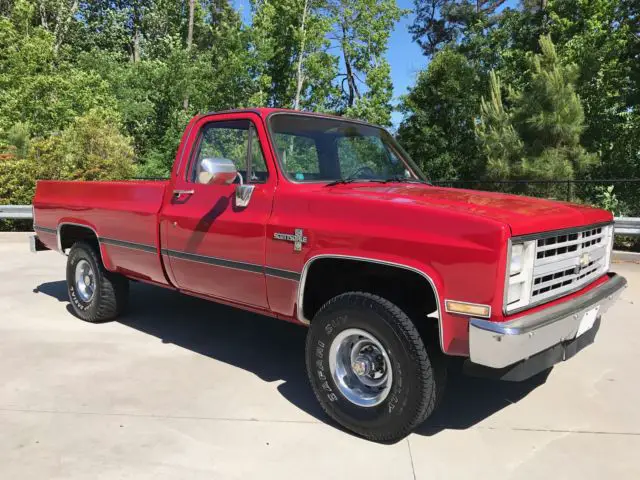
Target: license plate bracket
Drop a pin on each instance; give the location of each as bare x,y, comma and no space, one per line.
587,320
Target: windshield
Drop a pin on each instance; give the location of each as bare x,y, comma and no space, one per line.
320,149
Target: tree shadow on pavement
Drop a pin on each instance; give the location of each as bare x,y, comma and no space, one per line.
274,351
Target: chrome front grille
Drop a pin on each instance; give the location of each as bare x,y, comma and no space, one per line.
568,261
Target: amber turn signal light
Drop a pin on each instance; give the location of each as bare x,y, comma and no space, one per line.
465,308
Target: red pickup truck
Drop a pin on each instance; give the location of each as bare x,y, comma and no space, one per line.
327,222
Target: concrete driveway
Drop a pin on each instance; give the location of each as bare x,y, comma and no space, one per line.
182,388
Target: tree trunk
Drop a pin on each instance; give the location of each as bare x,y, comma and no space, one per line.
351,78
192,6
63,18
136,46
137,25
43,15
300,79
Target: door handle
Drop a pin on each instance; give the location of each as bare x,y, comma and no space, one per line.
179,193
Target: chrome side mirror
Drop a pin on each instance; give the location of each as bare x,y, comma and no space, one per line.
243,194
217,171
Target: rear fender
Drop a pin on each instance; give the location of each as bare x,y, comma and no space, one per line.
106,261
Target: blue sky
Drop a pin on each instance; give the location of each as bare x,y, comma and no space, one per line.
404,56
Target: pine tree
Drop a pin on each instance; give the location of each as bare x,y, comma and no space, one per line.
500,141
549,118
536,136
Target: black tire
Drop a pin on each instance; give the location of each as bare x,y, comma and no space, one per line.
111,293
414,387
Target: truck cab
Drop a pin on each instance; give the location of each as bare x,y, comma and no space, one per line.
327,222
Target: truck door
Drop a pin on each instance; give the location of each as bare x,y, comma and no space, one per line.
212,244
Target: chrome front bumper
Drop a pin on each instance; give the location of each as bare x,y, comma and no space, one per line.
499,345
36,245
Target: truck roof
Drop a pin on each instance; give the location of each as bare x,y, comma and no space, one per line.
264,112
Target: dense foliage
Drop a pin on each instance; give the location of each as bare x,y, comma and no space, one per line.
545,89
548,90
149,65
537,135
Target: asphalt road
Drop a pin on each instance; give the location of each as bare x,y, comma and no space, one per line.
182,388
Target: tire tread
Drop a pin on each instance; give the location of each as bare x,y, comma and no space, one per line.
417,351
113,289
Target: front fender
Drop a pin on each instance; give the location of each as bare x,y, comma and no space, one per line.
426,271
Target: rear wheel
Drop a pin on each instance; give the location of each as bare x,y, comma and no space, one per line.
369,367
96,294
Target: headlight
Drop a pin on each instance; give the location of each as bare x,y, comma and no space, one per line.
519,273
516,258
609,238
515,293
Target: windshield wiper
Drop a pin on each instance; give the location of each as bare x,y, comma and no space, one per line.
400,179
342,181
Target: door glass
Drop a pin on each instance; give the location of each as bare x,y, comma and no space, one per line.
230,140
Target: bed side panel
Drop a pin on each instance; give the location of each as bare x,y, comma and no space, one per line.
123,214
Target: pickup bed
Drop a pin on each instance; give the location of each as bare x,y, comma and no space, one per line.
327,222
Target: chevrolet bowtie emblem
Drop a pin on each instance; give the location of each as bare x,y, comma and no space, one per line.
585,260
297,238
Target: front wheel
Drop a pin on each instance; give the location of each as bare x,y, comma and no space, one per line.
369,367
96,294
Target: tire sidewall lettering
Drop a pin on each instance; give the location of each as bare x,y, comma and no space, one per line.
73,295
76,301
392,406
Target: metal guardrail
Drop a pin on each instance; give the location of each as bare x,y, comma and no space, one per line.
16,212
627,226
623,225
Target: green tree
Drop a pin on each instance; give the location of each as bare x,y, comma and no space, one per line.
549,117
439,23
537,135
214,74
292,64
603,38
19,137
90,148
438,128
500,143
361,30
37,88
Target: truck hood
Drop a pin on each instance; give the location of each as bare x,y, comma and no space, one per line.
524,215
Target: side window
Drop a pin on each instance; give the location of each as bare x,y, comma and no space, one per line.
230,140
259,172
299,156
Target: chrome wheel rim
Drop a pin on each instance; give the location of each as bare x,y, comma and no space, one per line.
85,281
360,367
